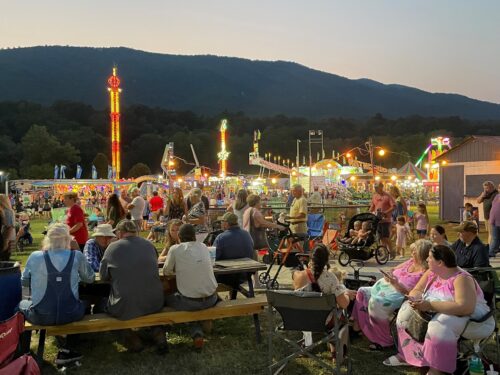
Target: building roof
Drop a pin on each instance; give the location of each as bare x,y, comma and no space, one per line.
493,140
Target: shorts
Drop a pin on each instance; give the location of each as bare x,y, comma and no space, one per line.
384,230
422,231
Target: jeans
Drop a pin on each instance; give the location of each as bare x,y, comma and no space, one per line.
495,240
179,302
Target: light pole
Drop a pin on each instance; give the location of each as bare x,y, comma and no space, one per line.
297,159
315,136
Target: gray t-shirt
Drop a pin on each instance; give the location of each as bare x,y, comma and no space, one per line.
131,265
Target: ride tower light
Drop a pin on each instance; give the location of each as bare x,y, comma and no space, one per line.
114,96
223,155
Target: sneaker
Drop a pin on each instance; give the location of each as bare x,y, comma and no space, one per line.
65,356
198,343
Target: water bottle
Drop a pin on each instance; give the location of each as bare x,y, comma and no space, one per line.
476,366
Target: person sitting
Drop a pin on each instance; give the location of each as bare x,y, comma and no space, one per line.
468,215
159,227
195,279
171,238
53,274
438,236
374,306
130,265
24,228
197,214
317,278
96,246
96,218
233,243
353,233
453,297
363,234
469,249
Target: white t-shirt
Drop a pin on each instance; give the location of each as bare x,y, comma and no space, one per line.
136,212
194,274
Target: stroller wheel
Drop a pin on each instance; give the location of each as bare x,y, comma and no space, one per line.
264,278
344,258
273,284
382,255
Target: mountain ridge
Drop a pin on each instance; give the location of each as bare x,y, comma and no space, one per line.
210,84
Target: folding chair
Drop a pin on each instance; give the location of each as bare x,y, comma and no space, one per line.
486,278
315,226
308,311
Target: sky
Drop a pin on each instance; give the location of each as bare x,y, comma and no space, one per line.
450,46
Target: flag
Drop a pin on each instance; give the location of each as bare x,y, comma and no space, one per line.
56,172
79,171
94,172
63,171
258,134
110,172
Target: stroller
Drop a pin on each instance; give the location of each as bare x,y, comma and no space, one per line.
284,255
368,249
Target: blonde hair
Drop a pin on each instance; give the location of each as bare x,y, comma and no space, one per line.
169,241
57,237
71,195
422,247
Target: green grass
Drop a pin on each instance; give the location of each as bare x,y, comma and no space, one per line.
230,349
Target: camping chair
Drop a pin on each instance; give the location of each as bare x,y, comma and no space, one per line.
307,311
315,224
10,361
486,278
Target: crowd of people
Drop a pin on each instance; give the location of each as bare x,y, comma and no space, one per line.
433,279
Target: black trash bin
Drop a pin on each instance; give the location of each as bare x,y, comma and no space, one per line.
10,288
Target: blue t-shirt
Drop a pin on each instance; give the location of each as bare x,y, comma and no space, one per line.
234,243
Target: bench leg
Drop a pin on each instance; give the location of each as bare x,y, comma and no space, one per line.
256,320
41,347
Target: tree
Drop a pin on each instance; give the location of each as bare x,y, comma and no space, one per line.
41,151
139,169
101,163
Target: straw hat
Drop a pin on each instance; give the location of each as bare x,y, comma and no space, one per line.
104,230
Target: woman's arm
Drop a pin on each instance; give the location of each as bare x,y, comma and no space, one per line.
465,299
420,287
163,255
343,300
299,279
260,222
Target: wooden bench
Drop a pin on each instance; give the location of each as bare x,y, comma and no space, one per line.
168,316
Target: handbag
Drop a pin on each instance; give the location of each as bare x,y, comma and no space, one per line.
418,322
258,234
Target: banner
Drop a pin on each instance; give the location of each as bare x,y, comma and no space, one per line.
110,172
79,171
63,172
94,172
56,172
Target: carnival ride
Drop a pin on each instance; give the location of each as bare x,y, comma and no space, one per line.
438,146
223,154
114,96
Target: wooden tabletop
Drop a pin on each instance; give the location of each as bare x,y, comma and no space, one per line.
221,267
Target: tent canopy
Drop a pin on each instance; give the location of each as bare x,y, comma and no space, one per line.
411,169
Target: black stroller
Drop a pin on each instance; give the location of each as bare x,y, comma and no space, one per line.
364,251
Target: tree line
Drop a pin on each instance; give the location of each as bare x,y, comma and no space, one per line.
33,137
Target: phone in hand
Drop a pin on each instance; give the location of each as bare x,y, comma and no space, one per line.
387,274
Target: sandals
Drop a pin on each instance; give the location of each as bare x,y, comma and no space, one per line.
375,347
394,361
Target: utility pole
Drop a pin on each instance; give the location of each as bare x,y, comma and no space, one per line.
297,159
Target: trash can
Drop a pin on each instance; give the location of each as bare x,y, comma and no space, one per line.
10,288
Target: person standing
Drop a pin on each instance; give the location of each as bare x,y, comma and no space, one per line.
486,198
136,207
298,211
75,219
156,205
114,211
495,226
7,228
382,205
239,206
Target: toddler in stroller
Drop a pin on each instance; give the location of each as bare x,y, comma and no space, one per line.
363,234
352,234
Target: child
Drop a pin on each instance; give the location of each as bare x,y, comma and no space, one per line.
403,232
468,215
363,233
353,233
421,220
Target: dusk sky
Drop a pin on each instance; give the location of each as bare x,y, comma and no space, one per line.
438,46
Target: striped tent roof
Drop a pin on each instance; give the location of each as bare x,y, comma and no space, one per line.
412,170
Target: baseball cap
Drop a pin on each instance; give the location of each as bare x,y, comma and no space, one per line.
126,226
230,218
467,226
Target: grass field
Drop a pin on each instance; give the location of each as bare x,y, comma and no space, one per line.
230,348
